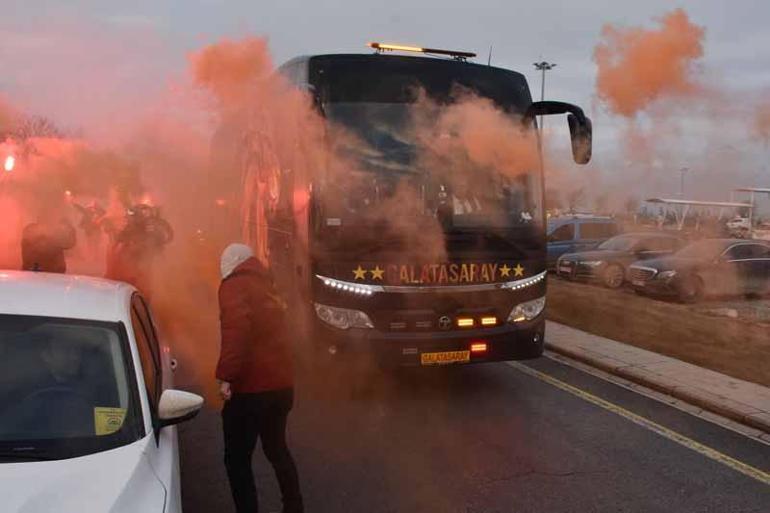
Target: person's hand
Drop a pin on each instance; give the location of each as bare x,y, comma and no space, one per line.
225,392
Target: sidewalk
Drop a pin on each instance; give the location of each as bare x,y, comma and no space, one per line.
741,401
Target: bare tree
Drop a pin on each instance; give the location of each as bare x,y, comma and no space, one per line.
575,198
602,203
553,199
36,126
631,205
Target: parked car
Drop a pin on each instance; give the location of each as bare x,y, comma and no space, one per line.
705,268
577,233
609,261
87,411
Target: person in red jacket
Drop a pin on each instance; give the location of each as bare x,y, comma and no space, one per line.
255,378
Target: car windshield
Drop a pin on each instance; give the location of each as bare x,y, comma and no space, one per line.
702,249
64,388
619,243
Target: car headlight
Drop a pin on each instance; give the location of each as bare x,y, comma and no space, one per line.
342,318
527,311
592,263
666,275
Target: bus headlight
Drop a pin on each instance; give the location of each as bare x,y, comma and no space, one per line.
527,311
342,318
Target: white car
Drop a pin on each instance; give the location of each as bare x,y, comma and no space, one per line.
87,411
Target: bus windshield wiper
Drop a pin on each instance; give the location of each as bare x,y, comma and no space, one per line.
374,246
489,240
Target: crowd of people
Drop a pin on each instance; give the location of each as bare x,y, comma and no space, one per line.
134,242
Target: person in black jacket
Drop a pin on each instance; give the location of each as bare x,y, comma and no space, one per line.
43,244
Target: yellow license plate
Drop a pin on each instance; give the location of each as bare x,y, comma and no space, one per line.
445,357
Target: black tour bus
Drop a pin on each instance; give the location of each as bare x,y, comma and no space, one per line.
372,283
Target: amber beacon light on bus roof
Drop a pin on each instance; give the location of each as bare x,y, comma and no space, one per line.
387,47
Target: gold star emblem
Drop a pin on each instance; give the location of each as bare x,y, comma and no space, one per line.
518,270
377,272
505,271
359,273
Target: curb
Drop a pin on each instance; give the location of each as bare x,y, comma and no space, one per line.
711,403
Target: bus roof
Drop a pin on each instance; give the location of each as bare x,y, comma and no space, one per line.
375,57
386,78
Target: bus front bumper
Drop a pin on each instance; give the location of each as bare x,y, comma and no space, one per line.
519,341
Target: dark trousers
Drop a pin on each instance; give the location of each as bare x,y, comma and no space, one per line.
245,419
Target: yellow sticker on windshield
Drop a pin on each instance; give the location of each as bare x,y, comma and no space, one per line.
108,420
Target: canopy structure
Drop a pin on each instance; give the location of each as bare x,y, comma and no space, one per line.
753,191
681,214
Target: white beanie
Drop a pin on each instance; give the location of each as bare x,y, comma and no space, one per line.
233,256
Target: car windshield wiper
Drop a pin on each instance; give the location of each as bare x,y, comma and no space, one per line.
25,455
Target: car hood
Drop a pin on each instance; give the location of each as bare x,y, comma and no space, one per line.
119,481
597,254
671,263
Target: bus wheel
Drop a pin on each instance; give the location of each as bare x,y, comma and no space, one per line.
613,276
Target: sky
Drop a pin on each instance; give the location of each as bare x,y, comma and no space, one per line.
82,59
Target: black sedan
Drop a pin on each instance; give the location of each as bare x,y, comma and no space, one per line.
709,267
608,262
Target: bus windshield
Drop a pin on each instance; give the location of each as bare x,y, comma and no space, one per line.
377,101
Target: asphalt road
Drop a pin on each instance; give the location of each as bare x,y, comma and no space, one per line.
487,439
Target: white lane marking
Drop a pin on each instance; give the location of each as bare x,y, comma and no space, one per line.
663,431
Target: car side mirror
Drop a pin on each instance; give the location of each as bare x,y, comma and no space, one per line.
176,406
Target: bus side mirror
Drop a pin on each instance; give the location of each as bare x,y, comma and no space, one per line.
581,134
580,127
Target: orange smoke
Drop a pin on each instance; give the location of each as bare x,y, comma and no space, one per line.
762,122
638,66
8,117
264,125
231,70
489,138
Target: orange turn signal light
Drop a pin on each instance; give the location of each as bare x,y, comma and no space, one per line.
465,322
489,320
479,347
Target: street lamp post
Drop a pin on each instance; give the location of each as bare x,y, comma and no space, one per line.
681,181
543,66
